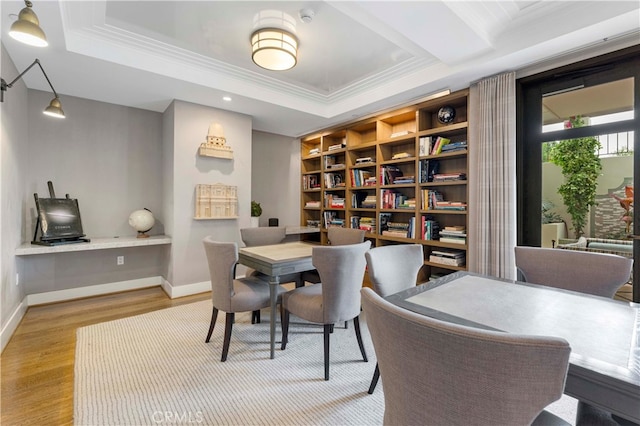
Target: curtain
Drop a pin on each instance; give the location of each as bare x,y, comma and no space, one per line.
492,176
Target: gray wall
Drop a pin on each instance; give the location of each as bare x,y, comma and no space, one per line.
276,177
13,165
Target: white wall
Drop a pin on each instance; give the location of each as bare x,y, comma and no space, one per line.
276,177
190,123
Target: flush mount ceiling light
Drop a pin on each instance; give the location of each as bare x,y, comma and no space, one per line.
27,28
274,49
55,107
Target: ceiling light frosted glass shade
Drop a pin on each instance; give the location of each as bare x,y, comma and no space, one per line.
54,109
274,49
27,29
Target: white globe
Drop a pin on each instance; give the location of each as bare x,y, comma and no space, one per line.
142,220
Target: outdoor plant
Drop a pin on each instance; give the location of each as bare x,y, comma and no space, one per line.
581,166
256,209
548,215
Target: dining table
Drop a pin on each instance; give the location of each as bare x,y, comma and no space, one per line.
604,334
274,261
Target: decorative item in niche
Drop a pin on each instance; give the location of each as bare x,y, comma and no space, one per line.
446,114
215,146
142,221
216,201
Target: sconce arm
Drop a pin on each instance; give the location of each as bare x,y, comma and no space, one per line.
5,85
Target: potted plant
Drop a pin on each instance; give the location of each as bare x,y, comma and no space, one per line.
553,226
580,164
256,211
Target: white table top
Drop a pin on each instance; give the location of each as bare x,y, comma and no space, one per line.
279,252
94,244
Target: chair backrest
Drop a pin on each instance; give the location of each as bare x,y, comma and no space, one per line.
342,236
341,270
394,268
592,273
447,374
263,236
222,259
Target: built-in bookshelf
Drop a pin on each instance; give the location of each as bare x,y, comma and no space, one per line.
401,176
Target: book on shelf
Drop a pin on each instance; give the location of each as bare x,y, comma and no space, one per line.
425,145
429,228
390,199
367,224
457,228
310,182
401,133
429,199
438,144
362,178
404,179
400,155
450,205
427,169
453,240
332,201
333,180
455,146
314,151
383,220
312,204
388,174
337,146
443,177
447,261
363,160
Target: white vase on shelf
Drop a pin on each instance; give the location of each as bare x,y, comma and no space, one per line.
255,222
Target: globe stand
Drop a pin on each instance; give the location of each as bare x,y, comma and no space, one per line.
142,234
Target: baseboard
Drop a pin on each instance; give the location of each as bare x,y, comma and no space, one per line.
185,290
94,290
11,325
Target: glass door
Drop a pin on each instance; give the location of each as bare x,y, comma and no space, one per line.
576,154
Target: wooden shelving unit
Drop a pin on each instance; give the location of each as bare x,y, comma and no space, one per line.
338,165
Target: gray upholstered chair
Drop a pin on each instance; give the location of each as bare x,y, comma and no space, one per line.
592,273
337,236
230,294
392,269
336,298
264,236
600,274
440,373
342,236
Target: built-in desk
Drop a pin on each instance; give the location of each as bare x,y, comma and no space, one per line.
95,244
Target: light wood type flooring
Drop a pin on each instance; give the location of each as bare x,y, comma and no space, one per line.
37,364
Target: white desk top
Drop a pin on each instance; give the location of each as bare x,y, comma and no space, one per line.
94,244
279,252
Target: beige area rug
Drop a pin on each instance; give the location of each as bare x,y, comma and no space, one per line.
156,369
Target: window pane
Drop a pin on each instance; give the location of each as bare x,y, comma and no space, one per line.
604,103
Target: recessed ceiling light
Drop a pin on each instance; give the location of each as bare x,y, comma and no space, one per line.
226,98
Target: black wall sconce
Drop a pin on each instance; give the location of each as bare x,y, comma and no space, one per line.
55,107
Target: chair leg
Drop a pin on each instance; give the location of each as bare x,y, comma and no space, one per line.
327,333
214,316
227,335
285,329
255,317
374,379
356,325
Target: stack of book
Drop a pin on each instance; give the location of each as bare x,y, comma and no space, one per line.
448,257
429,199
442,177
310,182
369,202
397,229
453,234
395,200
337,146
333,180
404,179
332,201
314,151
330,162
454,146
367,224
450,205
312,204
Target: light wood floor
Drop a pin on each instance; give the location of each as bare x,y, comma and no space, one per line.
37,364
